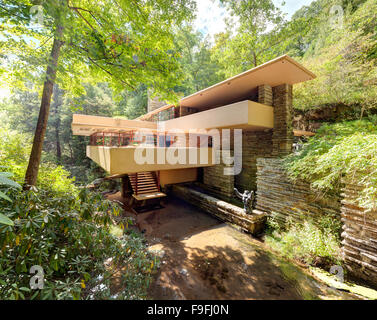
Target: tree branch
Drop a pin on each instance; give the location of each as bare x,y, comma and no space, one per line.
109,73
86,10
82,17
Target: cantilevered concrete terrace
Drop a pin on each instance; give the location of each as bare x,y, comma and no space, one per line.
234,103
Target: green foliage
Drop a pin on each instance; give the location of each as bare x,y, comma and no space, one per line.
5,220
346,149
200,68
341,59
5,182
14,152
69,235
250,44
121,42
307,241
68,231
132,104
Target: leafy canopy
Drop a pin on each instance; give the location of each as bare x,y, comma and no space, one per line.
342,60
247,42
121,42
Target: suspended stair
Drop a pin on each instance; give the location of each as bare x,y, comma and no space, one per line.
146,185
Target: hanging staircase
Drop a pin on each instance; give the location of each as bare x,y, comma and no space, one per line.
146,185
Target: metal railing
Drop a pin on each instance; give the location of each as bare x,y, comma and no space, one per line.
134,138
131,138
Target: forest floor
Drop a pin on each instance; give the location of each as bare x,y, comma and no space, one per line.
203,258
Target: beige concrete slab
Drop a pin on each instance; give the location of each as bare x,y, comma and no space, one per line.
118,161
85,125
245,114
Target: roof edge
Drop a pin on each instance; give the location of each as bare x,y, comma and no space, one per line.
240,75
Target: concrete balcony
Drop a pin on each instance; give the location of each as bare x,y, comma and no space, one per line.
131,159
241,115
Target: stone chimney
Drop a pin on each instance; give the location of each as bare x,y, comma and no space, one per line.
154,103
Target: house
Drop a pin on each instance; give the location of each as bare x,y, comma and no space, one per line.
201,139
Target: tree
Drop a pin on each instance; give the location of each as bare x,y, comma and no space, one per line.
40,131
341,60
58,96
251,38
123,42
200,69
132,104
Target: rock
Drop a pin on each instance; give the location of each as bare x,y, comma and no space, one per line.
167,236
108,262
184,272
97,182
157,252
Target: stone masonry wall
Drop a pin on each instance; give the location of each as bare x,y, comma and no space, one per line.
215,180
359,245
257,144
265,95
224,211
254,145
283,131
154,103
284,199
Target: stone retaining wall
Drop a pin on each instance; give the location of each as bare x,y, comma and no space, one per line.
278,195
253,224
254,145
359,245
215,180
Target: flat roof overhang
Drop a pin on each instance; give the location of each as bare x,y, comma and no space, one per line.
282,70
84,125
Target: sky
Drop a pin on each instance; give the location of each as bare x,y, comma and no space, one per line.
210,15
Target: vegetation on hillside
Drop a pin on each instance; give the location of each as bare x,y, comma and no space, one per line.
344,61
310,242
67,231
340,150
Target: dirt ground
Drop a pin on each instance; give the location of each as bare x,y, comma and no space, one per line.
203,258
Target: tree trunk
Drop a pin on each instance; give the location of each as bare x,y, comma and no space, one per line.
40,130
58,148
57,94
255,59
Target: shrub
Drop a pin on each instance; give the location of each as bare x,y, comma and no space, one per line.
307,241
14,155
69,236
347,149
5,182
66,230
